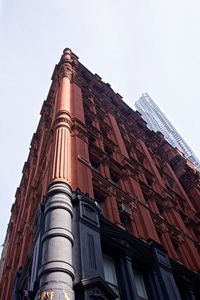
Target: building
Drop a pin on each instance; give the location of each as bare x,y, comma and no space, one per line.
106,208
157,121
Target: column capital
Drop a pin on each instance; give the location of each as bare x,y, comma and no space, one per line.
67,65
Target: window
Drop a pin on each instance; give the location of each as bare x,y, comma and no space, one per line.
91,140
160,208
34,264
125,213
114,177
140,286
107,150
125,220
149,181
159,234
110,273
141,158
99,201
94,163
176,246
88,121
170,181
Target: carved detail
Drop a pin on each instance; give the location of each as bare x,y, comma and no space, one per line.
53,295
46,295
180,238
80,131
163,227
67,65
97,294
65,120
190,179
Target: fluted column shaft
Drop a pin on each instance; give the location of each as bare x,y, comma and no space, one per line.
61,148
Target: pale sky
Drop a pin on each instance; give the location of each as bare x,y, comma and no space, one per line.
138,46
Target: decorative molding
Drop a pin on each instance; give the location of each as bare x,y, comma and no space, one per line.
67,65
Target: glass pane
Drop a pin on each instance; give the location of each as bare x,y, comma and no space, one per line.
110,274
139,282
109,270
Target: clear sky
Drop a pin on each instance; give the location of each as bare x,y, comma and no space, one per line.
137,46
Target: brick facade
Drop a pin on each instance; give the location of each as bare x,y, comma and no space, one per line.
137,186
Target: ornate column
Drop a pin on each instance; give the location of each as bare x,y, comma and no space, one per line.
56,272
60,169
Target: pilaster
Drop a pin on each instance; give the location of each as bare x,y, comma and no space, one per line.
164,273
127,273
118,136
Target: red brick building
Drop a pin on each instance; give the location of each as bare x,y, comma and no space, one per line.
106,208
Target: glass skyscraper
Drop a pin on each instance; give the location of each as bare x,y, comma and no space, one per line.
157,121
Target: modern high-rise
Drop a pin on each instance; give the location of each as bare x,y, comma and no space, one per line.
157,121
106,208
